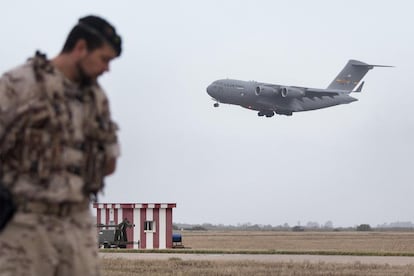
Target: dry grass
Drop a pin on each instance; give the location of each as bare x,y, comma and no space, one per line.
120,267
379,242
335,242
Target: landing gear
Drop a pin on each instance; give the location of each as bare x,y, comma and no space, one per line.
283,112
267,113
216,104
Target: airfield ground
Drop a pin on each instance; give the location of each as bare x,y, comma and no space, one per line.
272,253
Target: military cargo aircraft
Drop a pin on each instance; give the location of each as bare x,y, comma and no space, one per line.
269,99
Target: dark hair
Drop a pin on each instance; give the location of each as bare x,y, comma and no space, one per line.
95,31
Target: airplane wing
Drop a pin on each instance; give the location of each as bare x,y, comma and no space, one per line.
310,92
314,92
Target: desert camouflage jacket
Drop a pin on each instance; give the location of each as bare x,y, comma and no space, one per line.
55,136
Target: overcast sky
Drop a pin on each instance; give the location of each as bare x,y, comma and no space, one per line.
349,164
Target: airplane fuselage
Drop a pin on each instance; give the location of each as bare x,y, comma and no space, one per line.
269,99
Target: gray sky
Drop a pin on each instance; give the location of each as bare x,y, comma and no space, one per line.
350,164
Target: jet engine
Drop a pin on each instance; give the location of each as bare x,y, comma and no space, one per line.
290,92
262,90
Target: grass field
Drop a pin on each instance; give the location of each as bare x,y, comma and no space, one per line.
353,242
113,267
350,243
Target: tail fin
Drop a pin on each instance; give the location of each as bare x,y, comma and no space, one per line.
351,75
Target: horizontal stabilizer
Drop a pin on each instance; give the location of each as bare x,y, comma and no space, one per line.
371,65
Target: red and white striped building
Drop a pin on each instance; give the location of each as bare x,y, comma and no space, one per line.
153,222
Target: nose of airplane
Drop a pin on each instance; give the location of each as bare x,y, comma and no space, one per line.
210,90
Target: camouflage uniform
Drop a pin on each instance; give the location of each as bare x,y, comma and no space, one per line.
55,137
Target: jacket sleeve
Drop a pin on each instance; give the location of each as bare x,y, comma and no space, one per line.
17,96
7,102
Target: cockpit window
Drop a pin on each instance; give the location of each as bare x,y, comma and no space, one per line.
231,85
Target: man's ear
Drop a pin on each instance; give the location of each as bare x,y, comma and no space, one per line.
80,48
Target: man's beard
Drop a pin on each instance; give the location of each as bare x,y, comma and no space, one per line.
84,79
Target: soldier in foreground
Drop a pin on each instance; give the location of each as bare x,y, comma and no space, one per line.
57,143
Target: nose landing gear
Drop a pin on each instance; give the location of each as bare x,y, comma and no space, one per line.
216,105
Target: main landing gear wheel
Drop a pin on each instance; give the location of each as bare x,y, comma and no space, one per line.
216,104
266,113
